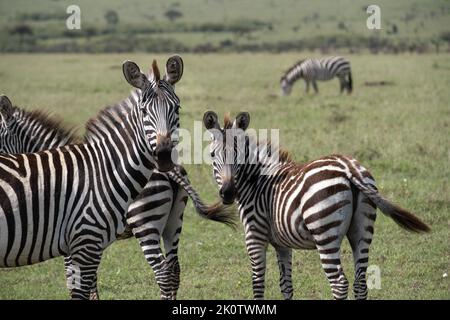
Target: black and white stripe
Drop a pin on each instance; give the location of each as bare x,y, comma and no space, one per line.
292,206
312,70
24,131
72,200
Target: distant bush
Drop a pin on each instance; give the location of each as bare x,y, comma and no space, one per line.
21,30
112,18
445,36
42,16
341,26
173,14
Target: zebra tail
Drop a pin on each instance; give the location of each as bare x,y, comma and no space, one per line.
216,212
402,217
350,82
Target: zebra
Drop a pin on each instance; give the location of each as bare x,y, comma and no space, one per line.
293,206
73,200
28,132
312,70
24,131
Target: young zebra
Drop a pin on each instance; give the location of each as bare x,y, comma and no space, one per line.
322,69
292,206
72,200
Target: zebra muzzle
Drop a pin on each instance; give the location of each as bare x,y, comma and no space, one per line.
228,192
164,154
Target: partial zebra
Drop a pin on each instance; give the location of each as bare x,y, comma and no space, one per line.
292,206
312,70
72,200
24,131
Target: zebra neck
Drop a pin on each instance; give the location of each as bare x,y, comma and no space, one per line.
253,178
294,74
37,132
118,135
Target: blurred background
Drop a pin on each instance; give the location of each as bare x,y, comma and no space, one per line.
223,26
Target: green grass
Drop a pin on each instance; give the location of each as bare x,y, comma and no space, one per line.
400,132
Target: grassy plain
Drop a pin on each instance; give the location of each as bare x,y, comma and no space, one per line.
144,25
401,132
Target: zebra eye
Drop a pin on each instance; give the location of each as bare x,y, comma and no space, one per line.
213,154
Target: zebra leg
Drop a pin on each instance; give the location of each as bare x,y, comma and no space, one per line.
316,89
360,236
83,270
94,291
171,237
256,249
328,230
331,264
307,86
284,256
342,83
147,217
68,271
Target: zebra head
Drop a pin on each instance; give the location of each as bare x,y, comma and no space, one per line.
6,118
286,86
227,150
159,108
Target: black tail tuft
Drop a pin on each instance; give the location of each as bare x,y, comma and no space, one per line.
406,219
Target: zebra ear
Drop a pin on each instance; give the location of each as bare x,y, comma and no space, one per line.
242,121
6,108
133,75
210,120
174,69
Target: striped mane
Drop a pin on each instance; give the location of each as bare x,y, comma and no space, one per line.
299,62
116,113
48,122
284,156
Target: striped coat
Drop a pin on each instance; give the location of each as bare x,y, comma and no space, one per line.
293,206
72,200
312,70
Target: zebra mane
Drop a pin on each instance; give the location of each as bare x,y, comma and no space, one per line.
227,121
299,62
117,110
283,155
49,122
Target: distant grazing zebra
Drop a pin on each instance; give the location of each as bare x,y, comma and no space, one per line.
73,200
310,206
322,69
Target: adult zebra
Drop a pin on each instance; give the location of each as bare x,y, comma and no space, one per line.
322,69
24,131
311,206
72,200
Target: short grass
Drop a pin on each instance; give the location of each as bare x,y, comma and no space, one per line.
283,20
400,132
